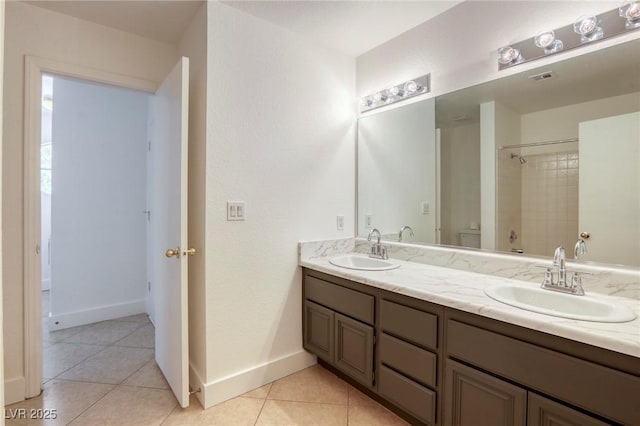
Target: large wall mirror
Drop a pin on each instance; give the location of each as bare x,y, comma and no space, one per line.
520,164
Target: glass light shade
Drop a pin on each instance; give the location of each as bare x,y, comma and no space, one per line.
366,102
395,91
630,10
411,87
587,27
380,97
508,55
547,40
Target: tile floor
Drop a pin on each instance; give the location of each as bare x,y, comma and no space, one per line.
104,374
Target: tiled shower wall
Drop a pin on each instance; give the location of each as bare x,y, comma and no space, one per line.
549,202
509,202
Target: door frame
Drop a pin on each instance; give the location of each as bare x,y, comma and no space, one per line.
34,68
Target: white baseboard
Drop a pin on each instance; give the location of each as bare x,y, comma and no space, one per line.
237,384
99,313
196,382
14,390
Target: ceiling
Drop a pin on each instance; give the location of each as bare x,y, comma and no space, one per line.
158,20
352,27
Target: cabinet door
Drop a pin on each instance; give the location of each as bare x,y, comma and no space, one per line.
474,398
544,412
354,349
318,330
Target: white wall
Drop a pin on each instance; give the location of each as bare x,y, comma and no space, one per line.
281,137
396,171
35,31
194,46
98,233
460,170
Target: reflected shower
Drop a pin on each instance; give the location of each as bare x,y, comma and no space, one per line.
519,157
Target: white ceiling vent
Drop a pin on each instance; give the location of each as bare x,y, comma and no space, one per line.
542,76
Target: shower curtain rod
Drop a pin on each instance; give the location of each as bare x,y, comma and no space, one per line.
524,145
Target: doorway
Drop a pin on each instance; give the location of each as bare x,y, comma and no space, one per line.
167,228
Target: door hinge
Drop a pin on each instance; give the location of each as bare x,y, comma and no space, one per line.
149,145
37,248
149,286
148,213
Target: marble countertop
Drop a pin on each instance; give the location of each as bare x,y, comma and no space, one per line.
465,291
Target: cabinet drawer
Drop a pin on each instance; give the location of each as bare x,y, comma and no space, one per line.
543,411
408,359
407,394
592,387
411,324
349,302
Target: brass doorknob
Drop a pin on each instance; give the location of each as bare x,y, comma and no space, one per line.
173,252
190,252
585,235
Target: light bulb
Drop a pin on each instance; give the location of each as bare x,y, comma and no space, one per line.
547,41
395,91
380,97
366,102
630,10
411,87
587,27
509,55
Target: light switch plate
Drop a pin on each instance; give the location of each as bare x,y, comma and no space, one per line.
368,221
236,210
425,207
340,223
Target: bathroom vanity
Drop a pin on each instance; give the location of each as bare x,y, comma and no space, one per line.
438,353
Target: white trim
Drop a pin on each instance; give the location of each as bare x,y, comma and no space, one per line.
99,313
34,68
14,390
239,383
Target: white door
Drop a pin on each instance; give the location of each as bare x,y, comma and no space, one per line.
609,188
168,229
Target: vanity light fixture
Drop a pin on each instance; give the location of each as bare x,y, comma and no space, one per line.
630,10
584,30
547,40
587,27
396,93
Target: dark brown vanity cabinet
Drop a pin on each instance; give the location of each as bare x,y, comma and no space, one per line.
501,374
440,366
338,325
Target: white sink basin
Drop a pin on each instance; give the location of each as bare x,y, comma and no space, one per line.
585,308
362,263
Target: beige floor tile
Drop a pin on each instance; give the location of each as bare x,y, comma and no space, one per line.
104,333
358,398
69,399
260,393
236,411
127,405
313,384
302,413
143,337
139,318
148,376
59,335
373,415
60,357
112,365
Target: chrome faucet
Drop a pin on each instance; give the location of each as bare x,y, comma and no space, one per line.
404,228
559,261
377,250
580,249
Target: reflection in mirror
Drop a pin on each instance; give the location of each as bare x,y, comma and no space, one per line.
396,173
560,157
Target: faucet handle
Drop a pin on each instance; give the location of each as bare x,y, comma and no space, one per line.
576,282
